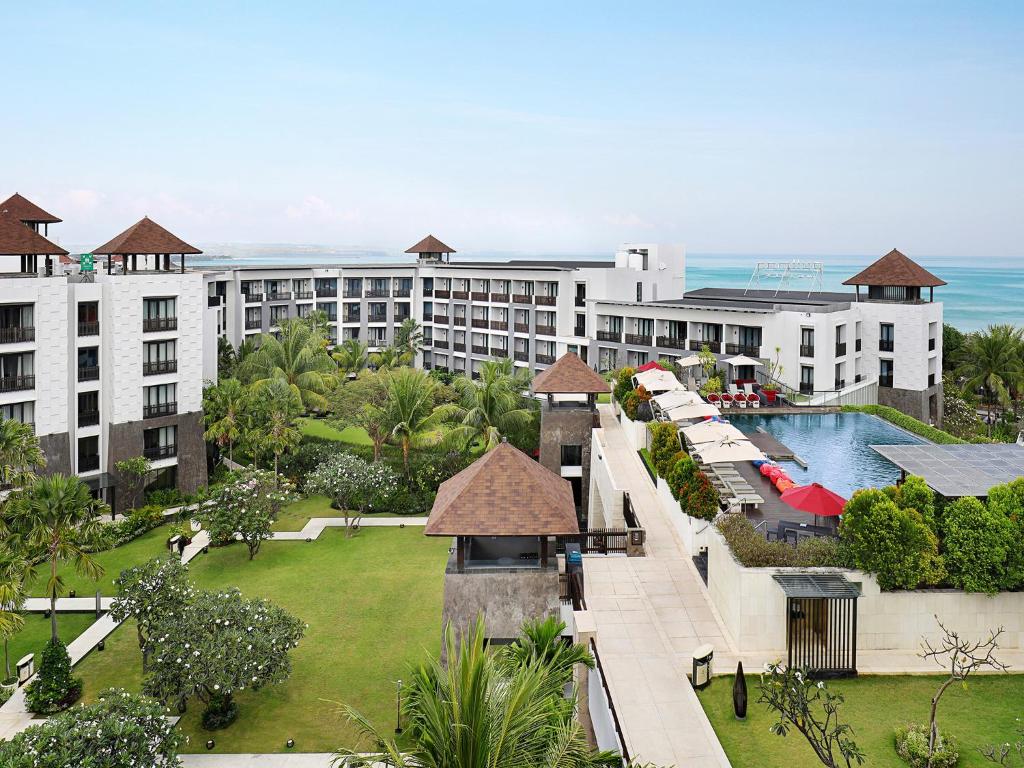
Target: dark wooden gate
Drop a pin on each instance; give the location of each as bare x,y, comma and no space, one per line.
821,623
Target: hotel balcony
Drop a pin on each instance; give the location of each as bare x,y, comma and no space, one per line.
154,452
479,322
401,317
579,330
441,343
545,359
522,357
253,298
615,336
461,295
697,344
377,293
545,301
88,373
159,409
459,320
545,330
440,294
428,292
521,298
671,342
303,295
284,296
750,350
151,324
479,295
885,345
88,463
154,367
377,318
476,349
252,325
88,418
840,348
638,339
89,329
581,301
521,327
500,297
17,383
457,347
499,325
497,352
403,293
442,319
213,301
806,350
328,293
17,333
346,294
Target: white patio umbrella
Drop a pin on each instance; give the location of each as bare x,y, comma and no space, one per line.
743,360
675,398
692,411
728,450
712,431
688,362
658,381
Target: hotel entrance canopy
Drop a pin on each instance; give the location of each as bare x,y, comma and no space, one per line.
958,470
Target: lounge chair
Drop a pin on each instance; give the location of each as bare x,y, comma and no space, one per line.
715,399
740,400
754,400
749,388
726,400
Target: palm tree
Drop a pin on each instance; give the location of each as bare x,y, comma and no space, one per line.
56,520
20,453
15,572
223,410
488,410
388,358
542,642
410,411
274,420
993,361
479,711
351,357
297,357
409,339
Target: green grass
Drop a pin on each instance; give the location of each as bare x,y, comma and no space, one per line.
373,605
114,561
649,463
604,397
294,516
324,431
875,706
36,632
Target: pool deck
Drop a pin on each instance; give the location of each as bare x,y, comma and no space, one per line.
770,446
774,510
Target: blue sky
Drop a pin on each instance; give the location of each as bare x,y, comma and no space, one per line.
819,128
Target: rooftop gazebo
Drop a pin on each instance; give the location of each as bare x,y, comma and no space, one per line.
149,240
504,512
28,213
18,239
894,277
430,249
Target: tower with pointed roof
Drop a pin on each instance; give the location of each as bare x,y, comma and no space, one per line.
430,250
894,277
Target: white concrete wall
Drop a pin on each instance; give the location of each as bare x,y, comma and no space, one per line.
636,431
600,711
692,530
605,509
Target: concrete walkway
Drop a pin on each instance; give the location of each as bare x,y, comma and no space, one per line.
316,525
269,760
651,613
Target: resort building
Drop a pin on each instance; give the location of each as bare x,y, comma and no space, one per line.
92,352
881,345
503,512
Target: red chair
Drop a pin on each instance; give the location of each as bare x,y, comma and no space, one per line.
726,400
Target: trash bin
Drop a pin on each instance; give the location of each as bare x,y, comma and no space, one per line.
26,668
702,658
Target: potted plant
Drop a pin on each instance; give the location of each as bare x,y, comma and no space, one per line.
772,374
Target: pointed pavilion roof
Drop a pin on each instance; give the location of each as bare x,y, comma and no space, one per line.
24,210
145,237
430,244
569,375
503,493
896,269
16,239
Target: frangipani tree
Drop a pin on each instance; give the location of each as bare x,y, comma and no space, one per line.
247,507
352,484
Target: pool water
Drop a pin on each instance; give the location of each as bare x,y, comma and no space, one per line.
834,446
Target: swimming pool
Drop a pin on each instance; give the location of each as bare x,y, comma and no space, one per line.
835,447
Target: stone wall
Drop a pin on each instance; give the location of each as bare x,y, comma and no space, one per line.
57,449
914,402
567,426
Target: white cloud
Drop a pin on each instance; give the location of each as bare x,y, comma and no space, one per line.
315,208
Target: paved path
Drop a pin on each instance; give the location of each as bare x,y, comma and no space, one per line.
316,525
651,613
271,760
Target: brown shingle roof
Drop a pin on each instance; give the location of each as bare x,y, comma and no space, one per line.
895,269
430,244
145,237
503,493
568,375
16,239
25,210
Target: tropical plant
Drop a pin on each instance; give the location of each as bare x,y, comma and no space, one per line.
352,485
227,358
319,323
707,359
55,520
912,747
189,656
542,642
274,413
54,688
20,454
993,362
488,410
15,572
247,507
149,593
952,346
224,413
623,383
664,445
362,403
698,498
388,358
409,339
959,417
480,711
351,356
977,542
133,473
410,411
1007,500
297,357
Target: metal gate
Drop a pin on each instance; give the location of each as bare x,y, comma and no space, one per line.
821,623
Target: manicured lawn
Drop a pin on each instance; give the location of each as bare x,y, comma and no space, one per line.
324,431
604,397
294,516
373,605
875,706
114,561
36,632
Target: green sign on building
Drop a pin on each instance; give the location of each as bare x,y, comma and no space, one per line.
86,262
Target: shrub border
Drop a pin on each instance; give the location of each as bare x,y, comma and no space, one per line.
909,423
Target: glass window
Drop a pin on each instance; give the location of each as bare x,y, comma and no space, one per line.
23,412
163,307
159,351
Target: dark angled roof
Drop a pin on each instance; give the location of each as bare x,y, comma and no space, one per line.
569,375
503,493
145,237
25,210
16,239
430,244
896,269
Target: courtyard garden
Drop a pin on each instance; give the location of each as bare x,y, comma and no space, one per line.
983,713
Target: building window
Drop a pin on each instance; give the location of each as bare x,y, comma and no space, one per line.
806,342
88,318
160,443
278,313
23,412
886,337
88,408
159,400
303,310
806,379
163,307
639,291
572,455
253,318
159,357
886,369
88,453
88,363
330,309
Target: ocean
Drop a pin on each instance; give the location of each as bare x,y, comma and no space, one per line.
987,292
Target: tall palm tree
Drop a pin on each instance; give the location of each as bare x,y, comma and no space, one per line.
223,411
488,410
20,454
297,357
410,411
56,520
409,339
15,572
351,357
517,377
477,711
274,429
388,358
993,361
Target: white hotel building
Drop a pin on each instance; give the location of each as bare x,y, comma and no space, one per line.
105,365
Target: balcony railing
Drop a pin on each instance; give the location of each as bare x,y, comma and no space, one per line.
840,384
301,295
638,338
350,318
443,319
497,352
88,463
479,295
931,379
461,295
89,329
253,298
479,322
806,387
459,320
579,330
521,298
545,330
840,349
88,372
377,318
545,359
253,325
150,324
160,451
214,301
441,343
283,296
17,333
346,294
615,336
428,292
499,325
750,350
403,293
402,318
476,349
152,367
17,383
378,293
159,409
459,347
327,293
440,294
696,345
885,345
521,327
522,357
500,297
88,418
546,301
581,301
672,342
885,381
806,350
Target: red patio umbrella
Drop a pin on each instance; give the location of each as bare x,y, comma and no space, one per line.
653,365
815,499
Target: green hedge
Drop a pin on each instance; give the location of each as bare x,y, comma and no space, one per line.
908,423
649,463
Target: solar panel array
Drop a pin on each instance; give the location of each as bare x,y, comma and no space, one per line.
958,470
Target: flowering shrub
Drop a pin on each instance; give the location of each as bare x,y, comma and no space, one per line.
54,688
664,446
623,383
248,507
912,746
698,498
353,485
